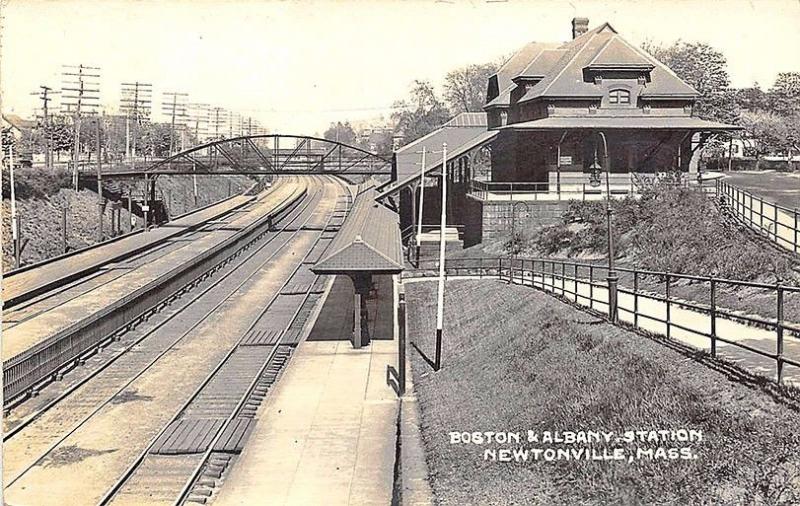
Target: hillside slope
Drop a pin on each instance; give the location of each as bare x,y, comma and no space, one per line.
515,360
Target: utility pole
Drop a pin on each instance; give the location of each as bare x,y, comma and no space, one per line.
437,363
217,124
44,96
136,103
100,198
177,111
84,98
198,114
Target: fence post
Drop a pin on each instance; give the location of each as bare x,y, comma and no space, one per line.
591,287
575,280
779,329
668,307
775,219
635,298
500,268
713,317
563,280
480,268
796,226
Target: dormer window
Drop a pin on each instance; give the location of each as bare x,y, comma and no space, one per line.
619,97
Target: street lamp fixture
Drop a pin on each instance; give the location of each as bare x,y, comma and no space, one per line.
613,277
594,176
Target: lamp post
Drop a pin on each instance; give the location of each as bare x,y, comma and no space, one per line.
594,180
514,235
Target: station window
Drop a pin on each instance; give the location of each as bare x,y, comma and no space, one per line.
619,97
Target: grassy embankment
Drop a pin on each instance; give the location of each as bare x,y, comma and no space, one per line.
666,230
516,360
41,196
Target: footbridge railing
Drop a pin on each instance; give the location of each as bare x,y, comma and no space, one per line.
778,223
757,320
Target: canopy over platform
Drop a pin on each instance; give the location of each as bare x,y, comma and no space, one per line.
463,133
623,123
368,243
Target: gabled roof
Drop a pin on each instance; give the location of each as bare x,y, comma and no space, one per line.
368,241
601,48
617,55
515,66
19,123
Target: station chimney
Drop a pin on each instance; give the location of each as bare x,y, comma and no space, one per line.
579,27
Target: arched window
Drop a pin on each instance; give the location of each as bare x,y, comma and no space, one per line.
619,97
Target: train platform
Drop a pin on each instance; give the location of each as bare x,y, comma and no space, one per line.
326,434
40,329
29,282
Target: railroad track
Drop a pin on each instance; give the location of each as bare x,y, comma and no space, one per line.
54,451
63,294
125,341
24,373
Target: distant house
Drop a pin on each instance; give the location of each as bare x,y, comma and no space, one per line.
19,128
18,125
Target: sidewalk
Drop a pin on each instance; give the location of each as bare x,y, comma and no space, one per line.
325,435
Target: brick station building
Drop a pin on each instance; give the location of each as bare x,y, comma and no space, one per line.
554,114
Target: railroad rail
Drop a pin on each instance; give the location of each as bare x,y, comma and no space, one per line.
205,285
34,280
254,389
248,400
38,364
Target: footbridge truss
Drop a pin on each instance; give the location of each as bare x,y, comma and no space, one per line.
269,154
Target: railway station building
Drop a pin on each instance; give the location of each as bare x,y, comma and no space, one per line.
556,117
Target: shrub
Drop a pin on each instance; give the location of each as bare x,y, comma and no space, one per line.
37,183
666,229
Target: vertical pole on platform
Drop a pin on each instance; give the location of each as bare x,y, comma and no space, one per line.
401,340
421,201
146,206
14,217
64,230
194,185
440,299
130,210
357,318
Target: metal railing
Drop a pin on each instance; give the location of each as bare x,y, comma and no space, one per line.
647,300
542,191
409,233
778,223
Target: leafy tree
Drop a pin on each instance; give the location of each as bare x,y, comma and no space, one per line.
421,114
154,139
341,132
751,99
465,87
706,70
61,134
772,132
784,96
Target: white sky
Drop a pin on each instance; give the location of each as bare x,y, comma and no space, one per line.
296,66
